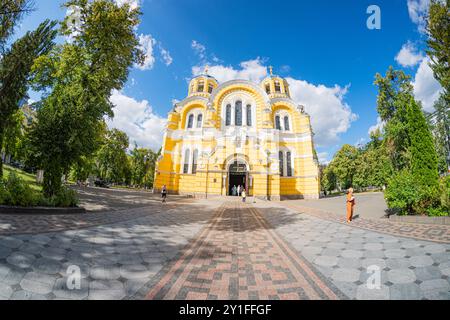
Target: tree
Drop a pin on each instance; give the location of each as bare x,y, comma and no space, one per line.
438,26
143,166
14,132
373,166
328,178
15,68
394,93
423,155
112,158
10,13
80,76
343,165
439,123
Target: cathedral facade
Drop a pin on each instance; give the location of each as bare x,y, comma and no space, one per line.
238,133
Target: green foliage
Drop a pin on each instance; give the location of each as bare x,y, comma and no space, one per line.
439,123
112,158
64,198
444,190
15,68
10,13
83,168
394,94
438,26
143,166
16,192
423,164
343,165
328,179
406,196
80,76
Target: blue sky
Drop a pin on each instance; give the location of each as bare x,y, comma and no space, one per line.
322,47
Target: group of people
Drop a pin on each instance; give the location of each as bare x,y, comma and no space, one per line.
236,191
239,191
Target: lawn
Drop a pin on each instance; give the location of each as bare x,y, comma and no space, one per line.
28,177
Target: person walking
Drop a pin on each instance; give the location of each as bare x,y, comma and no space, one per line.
239,190
164,193
233,190
244,195
350,205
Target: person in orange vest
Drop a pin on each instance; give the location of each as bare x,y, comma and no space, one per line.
350,205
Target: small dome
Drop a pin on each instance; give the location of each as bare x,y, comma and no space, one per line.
275,86
202,85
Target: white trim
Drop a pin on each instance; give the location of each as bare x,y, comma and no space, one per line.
195,112
282,114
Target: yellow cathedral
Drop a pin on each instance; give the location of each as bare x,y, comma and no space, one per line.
238,133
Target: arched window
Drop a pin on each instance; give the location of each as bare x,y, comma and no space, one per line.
186,161
199,120
228,115
201,86
249,115
194,161
277,123
238,114
268,88
277,86
280,158
288,164
286,123
190,121
210,88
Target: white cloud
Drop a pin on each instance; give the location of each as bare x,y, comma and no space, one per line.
408,55
378,126
418,10
146,43
165,54
426,88
323,157
138,120
134,4
330,114
252,70
199,49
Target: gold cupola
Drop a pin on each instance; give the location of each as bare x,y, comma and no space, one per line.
275,86
202,85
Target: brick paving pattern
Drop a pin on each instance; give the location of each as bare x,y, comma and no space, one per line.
237,256
24,224
218,248
436,233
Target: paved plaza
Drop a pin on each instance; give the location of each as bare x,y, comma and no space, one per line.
218,249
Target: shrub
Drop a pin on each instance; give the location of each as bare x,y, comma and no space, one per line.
437,212
407,196
14,191
444,190
17,192
64,198
3,192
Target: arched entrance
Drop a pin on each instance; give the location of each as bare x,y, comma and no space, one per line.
237,176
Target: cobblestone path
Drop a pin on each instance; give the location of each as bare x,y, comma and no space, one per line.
238,256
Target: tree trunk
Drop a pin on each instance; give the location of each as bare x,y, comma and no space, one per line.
52,180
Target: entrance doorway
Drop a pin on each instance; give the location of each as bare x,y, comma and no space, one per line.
237,176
